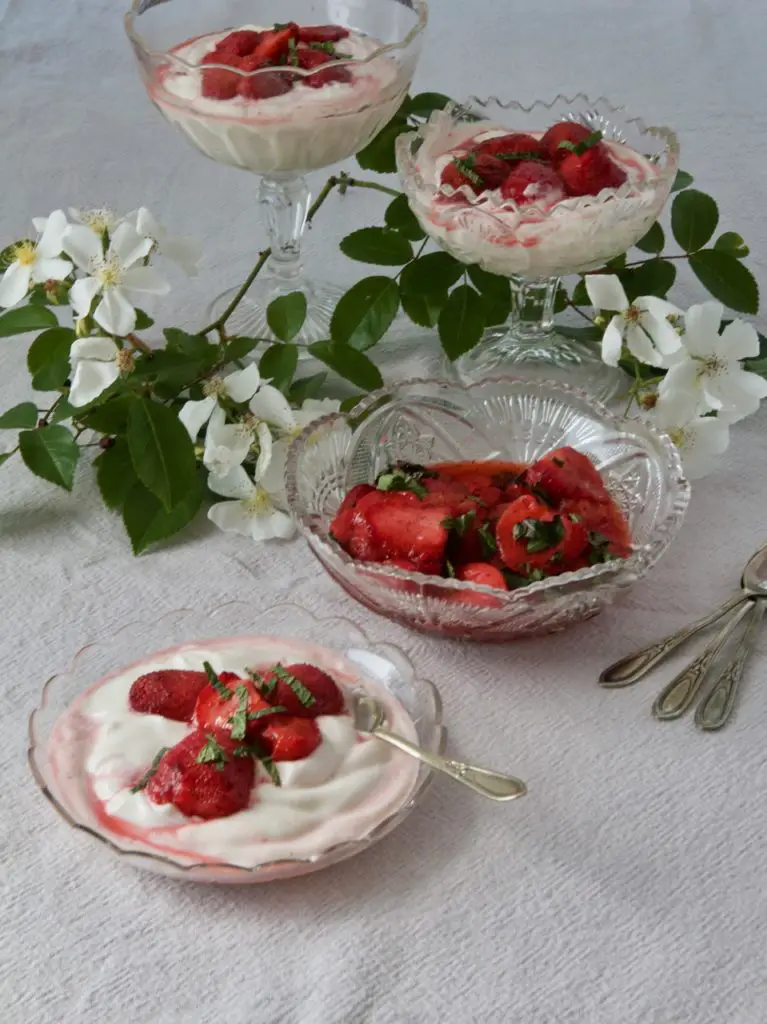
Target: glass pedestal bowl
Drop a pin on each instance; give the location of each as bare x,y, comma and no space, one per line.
536,244
503,418
285,134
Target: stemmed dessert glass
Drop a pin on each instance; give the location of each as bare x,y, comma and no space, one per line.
279,137
535,245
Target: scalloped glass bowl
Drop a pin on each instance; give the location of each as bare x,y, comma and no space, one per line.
427,421
385,663
575,235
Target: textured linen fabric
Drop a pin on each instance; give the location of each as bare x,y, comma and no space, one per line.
629,887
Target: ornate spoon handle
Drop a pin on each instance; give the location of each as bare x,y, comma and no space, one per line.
633,667
675,699
716,707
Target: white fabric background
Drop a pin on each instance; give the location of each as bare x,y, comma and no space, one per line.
630,885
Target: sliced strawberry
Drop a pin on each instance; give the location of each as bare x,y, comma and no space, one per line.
586,174
241,43
563,131
308,58
290,739
328,76
264,84
221,713
342,526
404,527
322,33
323,691
203,776
483,573
478,171
511,147
274,46
565,473
530,182
169,692
218,84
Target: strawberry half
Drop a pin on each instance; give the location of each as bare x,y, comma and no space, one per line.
527,535
478,171
290,739
225,707
483,573
404,527
530,182
586,174
316,693
328,76
564,131
169,692
322,33
203,777
512,146
566,473
274,46
342,526
240,43
264,84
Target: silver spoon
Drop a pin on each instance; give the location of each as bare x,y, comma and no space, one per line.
632,668
715,709
370,716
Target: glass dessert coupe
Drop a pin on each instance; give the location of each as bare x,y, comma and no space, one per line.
282,109
545,236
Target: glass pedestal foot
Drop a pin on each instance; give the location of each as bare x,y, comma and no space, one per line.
249,318
551,356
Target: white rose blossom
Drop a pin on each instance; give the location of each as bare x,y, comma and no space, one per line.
642,325
252,510
96,364
700,439
184,252
240,386
112,276
36,262
706,374
228,444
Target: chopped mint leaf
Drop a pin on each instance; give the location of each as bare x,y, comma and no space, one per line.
556,557
257,752
212,753
542,495
142,782
466,167
304,695
400,481
599,549
558,462
514,580
579,148
575,518
538,534
293,53
449,569
266,686
537,575
521,156
221,688
459,524
327,47
487,540
278,709
239,720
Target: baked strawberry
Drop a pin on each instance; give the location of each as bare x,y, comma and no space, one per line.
483,573
475,170
527,535
219,84
531,182
586,174
512,147
343,523
404,527
322,33
169,692
602,519
575,541
303,690
264,84
327,76
274,46
227,704
565,473
564,131
203,776
240,43
290,739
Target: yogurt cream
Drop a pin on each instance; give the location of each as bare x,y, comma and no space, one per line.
347,786
543,239
299,131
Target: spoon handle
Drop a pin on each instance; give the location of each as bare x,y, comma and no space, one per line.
715,709
633,667
675,698
482,780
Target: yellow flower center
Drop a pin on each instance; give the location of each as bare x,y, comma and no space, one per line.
99,220
108,271
124,360
25,253
259,503
214,388
632,315
679,436
711,367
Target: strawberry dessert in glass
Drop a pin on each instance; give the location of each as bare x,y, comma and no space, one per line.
532,194
278,91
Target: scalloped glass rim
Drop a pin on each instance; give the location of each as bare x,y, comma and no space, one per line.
641,559
331,855
419,8
407,142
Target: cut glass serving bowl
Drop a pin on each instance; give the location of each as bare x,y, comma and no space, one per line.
385,664
505,418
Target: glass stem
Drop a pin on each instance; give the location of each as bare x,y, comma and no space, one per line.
532,307
284,204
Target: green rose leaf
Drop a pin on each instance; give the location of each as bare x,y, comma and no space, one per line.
5,456
146,520
195,346
365,313
433,273
48,358
115,475
161,450
111,417
286,315
461,322
655,277
382,246
653,241
21,416
580,296
351,402
63,411
694,217
278,364
400,217
732,243
307,387
173,370
143,321
727,279
587,334
424,310
50,453
380,154
496,293
348,363
616,263
425,103
238,348
682,180
561,299
27,318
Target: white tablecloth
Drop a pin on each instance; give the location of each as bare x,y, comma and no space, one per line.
630,885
